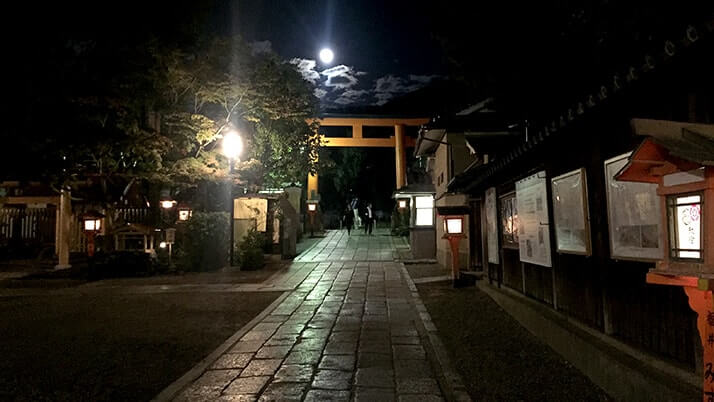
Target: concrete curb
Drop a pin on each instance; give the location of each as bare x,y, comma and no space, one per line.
177,386
449,380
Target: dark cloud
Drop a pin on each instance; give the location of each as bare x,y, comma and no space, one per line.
263,46
390,86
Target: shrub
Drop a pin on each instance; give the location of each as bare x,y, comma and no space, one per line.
250,250
122,264
202,243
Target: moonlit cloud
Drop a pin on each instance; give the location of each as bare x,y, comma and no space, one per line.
351,96
320,93
306,67
341,77
344,85
390,86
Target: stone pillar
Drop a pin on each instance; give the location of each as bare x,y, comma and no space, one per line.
400,155
64,218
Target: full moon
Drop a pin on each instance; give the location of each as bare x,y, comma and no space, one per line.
326,55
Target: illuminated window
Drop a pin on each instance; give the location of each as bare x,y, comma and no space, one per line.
424,211
509,220
685,226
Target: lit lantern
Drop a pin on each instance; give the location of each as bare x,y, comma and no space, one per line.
312,211
677,159
167,204
454,232
92,223
454,225
184,213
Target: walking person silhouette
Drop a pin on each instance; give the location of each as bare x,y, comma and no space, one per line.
348,219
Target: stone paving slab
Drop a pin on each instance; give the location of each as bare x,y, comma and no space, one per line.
348,331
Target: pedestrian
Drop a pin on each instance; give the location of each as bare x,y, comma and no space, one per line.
348,220
368,220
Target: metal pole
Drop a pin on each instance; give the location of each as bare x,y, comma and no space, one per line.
230,196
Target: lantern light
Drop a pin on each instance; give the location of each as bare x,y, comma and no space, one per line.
311,207
453,225
167,204
402,204
184,214
162,244
92,221
93,225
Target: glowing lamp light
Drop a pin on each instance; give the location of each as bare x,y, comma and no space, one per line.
232,145
162,244
453,225
326,56
167,204
184,214
312,207
402,204
685,226
92,225
92,221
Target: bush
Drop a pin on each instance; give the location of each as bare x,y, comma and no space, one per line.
202,243
250,250
122,264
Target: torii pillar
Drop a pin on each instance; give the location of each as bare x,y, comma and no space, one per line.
400,155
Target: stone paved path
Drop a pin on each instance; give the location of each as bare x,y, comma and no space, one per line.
348,331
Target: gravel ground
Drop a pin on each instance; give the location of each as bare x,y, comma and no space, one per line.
112,347
497,358
426,270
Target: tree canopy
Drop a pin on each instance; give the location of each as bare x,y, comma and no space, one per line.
116,113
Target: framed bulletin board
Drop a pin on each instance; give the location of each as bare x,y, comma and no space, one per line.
570,212
492,225
633,213
533,224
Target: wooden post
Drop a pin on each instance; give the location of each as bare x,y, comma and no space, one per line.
701,302
64,218
454,243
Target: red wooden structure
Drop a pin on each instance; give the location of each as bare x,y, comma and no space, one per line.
679,158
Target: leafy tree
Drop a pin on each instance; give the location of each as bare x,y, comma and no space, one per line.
152,114
222,84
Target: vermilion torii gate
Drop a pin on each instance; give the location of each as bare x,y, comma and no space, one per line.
399,141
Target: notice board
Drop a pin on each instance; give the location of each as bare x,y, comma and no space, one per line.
533,224
492,225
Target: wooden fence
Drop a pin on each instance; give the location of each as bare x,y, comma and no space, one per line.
29,225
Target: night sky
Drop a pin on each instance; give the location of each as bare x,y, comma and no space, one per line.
381,48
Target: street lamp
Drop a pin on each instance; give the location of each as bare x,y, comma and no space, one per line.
232,148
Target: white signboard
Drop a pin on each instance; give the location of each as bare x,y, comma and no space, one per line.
252,208
633,211
533,225
492,225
